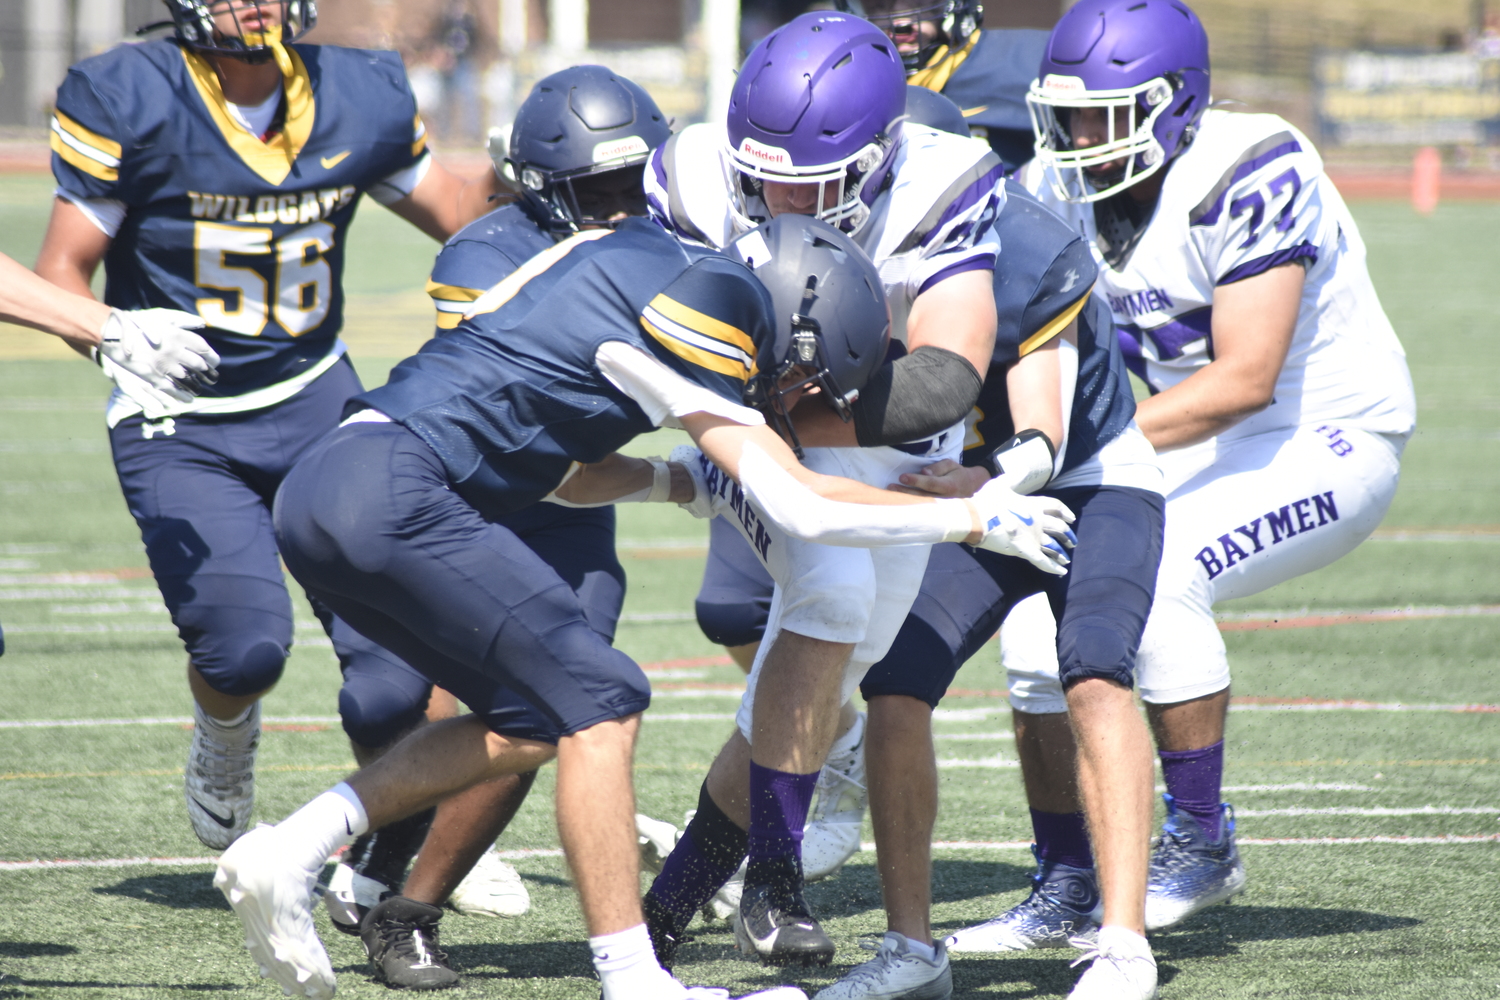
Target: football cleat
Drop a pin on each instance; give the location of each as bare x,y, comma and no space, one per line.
350,896
491,889
219,782
401,938
726,902
895,973
774,924
1123,967
657,837
831,834
1189,871
273,899
1064,903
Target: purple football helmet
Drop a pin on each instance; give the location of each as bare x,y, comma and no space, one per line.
1144,64
818,101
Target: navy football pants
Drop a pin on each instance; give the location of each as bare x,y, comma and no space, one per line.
1101,604
369,524
201,487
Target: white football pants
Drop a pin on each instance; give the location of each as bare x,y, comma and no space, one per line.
1242,516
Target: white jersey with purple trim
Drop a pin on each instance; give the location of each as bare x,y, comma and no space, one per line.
1248,195
933,220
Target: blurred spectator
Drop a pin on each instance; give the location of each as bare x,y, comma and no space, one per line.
453,54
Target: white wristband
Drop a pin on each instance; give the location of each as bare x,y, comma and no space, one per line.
661,480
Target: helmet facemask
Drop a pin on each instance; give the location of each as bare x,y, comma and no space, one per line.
195,23
804,367
902,23
858,179
565,202
1130,118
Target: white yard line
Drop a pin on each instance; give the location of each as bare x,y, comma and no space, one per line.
941,845
1373,811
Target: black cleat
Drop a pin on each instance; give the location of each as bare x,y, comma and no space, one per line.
401,938
774,924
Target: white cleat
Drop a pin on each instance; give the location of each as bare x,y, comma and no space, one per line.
273,899
1123,967
350,896
831,835
219,781
491,889
656,837
894,974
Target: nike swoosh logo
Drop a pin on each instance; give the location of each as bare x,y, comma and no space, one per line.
971,112
1024,519
329,162
226,823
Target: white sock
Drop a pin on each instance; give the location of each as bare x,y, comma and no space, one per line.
328,822
627,964
226,727
850,741
1122,939
922,949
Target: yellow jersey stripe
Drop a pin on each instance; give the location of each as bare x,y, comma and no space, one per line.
419,136
108,147
452,293
1053,328
507,289
943,64
271,160
703,359
87,164
704,324
447,321
666,327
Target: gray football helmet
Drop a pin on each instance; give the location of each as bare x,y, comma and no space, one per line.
832,322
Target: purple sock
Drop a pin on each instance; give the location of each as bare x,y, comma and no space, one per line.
779,802
1062,838
1193,778
706,857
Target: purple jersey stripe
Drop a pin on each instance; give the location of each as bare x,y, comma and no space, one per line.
1260,265
1211,207
1129,337
978,262
1175,334
967,199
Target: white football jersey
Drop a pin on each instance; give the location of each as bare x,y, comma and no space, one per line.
1250,194
933,219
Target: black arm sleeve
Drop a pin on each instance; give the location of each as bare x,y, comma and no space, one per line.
914,397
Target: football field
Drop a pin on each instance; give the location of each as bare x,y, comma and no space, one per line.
1364,745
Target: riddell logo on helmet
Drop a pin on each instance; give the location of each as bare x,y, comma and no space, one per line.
769,155
617,148
1056,84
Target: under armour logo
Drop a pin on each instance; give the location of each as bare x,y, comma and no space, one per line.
166,427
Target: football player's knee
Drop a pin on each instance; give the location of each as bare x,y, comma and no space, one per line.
375,712
732,624
1094,647
241,664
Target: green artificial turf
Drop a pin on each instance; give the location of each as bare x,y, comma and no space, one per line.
88,639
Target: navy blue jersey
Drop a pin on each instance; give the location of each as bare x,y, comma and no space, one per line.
988,79
248,234
480,254
511,396
1042,283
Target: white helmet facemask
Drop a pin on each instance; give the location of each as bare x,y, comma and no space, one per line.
848,211
1130,120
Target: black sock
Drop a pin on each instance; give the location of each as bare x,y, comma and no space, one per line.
384,854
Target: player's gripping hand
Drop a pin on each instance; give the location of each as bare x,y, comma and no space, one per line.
1031,528
704,503
159,347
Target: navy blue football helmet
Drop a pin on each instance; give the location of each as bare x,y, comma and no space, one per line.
575,124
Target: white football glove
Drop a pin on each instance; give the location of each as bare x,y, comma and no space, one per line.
159,347
1031,528
703,504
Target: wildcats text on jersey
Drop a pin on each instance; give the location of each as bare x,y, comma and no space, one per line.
290,209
